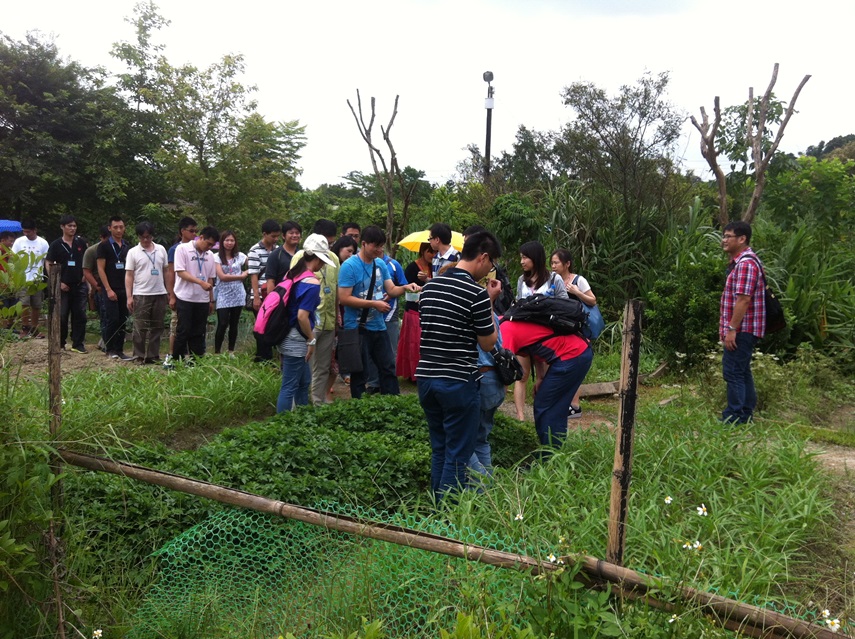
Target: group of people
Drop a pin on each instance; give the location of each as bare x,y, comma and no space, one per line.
346,282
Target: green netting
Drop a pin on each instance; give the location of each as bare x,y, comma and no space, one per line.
244,573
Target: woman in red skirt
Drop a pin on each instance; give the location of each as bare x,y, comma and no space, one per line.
418,272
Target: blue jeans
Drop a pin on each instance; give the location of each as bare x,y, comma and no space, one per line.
736,369
451,408
492,395
552,401
376,348
296,377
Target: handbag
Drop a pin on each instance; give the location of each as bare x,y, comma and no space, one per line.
506,365
349,350
596,324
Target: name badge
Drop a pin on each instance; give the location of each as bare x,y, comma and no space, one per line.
71,263
154,271
120,266
327,290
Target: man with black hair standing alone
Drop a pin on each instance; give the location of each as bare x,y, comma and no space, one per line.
742,321
456,318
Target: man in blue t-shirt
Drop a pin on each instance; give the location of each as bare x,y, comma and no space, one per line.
393,323
353,290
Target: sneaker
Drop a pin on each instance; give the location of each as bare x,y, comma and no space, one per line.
112,355
124,358
79,349
167,363
574,413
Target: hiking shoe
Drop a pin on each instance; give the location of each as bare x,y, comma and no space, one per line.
79,349
574,413
124,358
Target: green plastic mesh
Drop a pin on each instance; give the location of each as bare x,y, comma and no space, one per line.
244,573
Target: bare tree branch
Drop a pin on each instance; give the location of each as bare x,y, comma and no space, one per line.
761,158
710,154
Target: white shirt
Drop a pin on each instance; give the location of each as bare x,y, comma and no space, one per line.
37,247
143,264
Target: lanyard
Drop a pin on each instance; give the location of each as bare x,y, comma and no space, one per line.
152,257
199,263
119,252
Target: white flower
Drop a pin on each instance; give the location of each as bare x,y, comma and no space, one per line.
519,517
551,558
672,619
561,540
96,634
680,355
697,545
687,545
833,624
668,500
702,510
826,614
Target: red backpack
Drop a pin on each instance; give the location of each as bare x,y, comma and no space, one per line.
272,322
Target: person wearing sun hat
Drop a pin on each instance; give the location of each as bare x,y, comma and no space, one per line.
326,314
299,345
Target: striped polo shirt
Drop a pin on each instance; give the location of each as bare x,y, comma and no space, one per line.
454,311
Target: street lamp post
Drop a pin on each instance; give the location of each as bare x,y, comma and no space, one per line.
488,104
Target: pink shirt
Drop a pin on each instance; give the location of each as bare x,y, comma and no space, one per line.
200,265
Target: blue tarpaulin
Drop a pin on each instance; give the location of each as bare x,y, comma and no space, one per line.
10,225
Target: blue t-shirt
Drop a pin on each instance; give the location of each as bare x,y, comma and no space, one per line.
307,298
356,274
396,273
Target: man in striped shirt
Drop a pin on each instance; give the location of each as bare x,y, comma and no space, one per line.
742,321
456,318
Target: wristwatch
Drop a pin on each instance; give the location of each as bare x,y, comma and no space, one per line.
730,328
312,342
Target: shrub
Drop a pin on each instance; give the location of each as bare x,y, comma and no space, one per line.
683,311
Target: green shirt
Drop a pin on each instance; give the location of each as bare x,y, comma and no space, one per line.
328,275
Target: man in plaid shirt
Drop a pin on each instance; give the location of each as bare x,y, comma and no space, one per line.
742,321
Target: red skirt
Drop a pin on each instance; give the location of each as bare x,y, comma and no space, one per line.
408,346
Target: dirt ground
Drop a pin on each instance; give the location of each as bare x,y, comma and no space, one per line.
29,357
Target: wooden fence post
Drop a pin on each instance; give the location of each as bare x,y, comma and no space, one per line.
54,541
622,472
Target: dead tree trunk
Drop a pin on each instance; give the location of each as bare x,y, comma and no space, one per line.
754,134
710,154
387,174
754,138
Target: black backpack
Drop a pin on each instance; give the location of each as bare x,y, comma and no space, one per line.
563,316
506,298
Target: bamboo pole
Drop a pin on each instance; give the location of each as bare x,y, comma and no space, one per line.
624,438
55,396
748,619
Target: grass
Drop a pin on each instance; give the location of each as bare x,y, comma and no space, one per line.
768,503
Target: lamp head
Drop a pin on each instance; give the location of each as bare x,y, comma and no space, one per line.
488,76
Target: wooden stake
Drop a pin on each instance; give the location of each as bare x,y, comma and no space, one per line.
622,472
55,396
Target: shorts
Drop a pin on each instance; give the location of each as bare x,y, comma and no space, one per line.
173,324
34,300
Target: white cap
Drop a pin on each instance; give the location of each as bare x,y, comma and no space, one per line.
317,244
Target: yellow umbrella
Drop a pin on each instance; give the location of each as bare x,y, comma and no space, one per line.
414,240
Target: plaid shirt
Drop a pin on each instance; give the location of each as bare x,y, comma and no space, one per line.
744,277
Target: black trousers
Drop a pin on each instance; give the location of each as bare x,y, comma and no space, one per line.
227,318
73,303
192,323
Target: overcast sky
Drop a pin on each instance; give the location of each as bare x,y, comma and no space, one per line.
308,58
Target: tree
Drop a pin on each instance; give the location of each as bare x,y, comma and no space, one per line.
737,140
220,157
623,144
61,136
390,175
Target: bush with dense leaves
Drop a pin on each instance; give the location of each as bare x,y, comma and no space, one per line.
683,309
